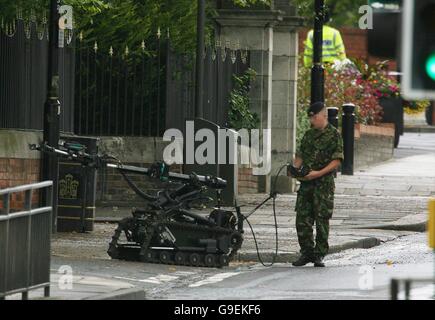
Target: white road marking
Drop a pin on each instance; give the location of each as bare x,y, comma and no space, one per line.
185,273
213,279
159,279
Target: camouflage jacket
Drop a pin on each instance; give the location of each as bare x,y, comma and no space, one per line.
319,147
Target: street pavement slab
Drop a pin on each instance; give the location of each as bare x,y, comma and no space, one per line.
67,286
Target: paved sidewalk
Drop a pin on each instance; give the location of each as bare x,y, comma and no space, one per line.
376,204
81,287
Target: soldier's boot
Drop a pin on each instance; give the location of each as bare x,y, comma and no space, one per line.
303,260
318,262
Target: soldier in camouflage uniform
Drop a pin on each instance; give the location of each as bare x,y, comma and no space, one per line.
321,151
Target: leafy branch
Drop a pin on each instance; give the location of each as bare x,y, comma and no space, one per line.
239,114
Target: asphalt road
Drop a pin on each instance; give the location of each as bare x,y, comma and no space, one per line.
351,274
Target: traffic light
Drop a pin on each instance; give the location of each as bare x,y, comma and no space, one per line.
418,49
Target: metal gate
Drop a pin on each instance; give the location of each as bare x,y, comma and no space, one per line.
23,76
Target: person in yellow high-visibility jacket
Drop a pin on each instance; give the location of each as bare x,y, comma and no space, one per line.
333,47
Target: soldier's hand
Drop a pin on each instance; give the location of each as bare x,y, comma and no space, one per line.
313,175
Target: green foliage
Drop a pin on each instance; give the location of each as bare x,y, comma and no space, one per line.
248,3
121,23
304,97
8,11
343,12
303,124
239,115
349,82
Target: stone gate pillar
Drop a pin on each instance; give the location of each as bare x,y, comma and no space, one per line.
284,93
271,37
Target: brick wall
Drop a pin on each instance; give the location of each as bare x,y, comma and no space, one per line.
373,144
355,42
18,165
248,183
17,172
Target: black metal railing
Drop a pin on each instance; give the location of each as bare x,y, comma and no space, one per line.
222,61
23,76
25,236
144,92
120,93
111,91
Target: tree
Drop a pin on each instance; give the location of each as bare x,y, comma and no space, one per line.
121,23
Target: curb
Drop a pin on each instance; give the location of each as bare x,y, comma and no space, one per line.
415,227
289,257
413,222
286,257
428,129
122,294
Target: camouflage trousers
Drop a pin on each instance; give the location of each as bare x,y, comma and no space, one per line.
314,204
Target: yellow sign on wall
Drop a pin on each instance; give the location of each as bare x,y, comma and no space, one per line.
431,223
68,187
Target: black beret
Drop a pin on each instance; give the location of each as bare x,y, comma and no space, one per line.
315,108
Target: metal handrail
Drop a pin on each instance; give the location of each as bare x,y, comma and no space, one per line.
15,215
26,187
31,258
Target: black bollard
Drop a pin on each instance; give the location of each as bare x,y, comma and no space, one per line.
333,120
333,116
348,133
394,289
